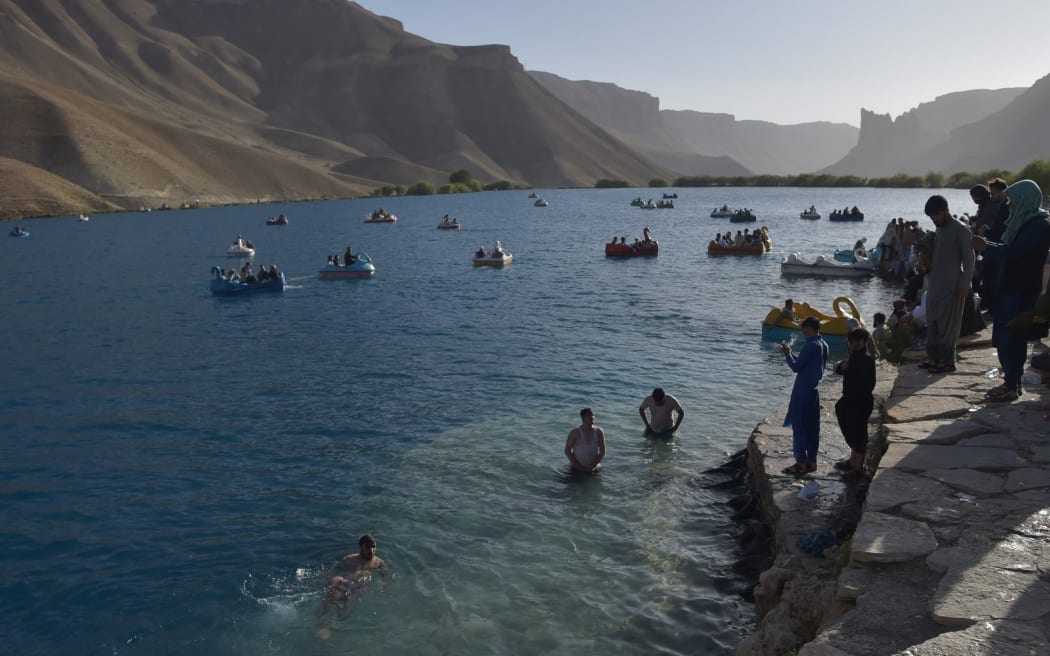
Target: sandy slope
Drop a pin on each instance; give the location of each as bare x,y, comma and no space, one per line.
141,102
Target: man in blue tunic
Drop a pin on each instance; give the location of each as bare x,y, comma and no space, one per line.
803,414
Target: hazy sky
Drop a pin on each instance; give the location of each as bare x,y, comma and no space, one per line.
786,61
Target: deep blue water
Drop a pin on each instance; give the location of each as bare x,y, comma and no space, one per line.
178,471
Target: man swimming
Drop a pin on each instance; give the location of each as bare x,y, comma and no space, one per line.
349,579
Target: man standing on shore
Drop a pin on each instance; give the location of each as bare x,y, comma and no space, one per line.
662,408
803,414
947,286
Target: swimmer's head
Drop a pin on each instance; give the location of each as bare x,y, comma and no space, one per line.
366,546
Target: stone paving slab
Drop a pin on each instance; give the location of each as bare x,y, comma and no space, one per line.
909,408
995,440
1028,478
882,538
1041,454
891,488
989,593
969,481
998,638
945,431
938,513
922,457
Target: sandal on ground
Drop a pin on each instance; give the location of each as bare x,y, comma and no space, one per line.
941,368
811,467
852,472
843,465
1005,396
797,469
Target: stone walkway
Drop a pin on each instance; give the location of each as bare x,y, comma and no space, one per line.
951,554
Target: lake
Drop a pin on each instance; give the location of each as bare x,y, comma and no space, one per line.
178,471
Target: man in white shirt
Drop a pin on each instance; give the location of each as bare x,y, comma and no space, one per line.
661,406
585,446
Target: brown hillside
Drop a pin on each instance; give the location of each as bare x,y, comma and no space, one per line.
29,191
392,169
134,160
150,101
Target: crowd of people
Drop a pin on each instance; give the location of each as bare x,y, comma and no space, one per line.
1003,251
245,274
991,262
645,242
744,239
848,211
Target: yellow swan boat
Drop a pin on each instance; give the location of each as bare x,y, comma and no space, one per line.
835,326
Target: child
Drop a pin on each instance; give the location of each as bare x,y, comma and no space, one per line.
899,315
857,402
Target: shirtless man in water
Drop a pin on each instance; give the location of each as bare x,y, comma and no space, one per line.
349,580
585,446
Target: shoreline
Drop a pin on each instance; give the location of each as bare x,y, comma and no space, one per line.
73,210
948,553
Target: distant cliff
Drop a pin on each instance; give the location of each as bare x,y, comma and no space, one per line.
761,146
703,143
635,118
906,144
147,101
1010,138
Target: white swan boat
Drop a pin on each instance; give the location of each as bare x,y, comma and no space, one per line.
495,257
825,266
240,249
361,267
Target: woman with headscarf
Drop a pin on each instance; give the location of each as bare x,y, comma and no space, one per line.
1018,263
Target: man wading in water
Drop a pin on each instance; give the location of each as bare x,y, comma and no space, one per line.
585,446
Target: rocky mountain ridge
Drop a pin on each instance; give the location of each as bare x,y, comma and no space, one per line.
907,144
703,143
139,102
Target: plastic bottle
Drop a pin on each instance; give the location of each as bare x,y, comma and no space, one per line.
992,373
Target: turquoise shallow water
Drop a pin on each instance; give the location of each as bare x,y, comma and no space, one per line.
177,471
